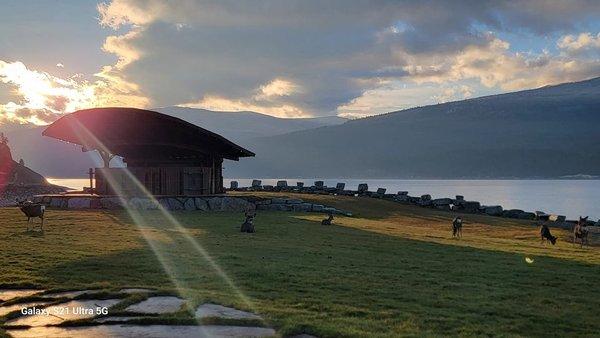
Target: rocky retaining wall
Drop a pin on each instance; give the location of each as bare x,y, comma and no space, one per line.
205,203
458,203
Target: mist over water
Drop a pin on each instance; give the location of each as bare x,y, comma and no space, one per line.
572,198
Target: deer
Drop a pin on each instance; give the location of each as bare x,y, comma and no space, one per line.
32,210
328,220
546,235
457,224
580,231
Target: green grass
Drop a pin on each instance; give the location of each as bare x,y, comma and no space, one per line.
390,270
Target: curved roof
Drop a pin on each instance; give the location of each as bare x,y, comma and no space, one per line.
139,133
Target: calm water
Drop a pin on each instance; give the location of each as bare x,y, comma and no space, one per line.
566,197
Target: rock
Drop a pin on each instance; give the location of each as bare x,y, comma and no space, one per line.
76,309
293,201
256,184
111,203
304,207
541,216
401,198
340,186
201,204
493,210
425,198
282,184
402,193
381,191
317,207
234,204
319,184
58,202
213,310
142,203
299,184
441,201
8,294
79,203
512,213
175,204
189,204
233,185
268,187
363,188
470,206
156,331
215,203
160,304
527,215
460,197
278,200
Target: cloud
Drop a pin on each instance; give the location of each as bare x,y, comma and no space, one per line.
304,57
39,97
583,41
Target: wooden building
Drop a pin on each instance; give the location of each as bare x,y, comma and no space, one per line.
164,155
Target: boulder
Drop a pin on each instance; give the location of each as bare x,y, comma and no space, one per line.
459,197
470,206
425,197
363,188
233,185
381,191
256,184
401,198
340,186
557,218
141,203
299,184
512,213
319,184
278,200
303,207
79,203
493,210
268,187
318,207
441,202
175,204
293,201
402,193
201,204
527,215
282,184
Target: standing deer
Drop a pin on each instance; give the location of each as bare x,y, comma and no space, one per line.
32,210
580,231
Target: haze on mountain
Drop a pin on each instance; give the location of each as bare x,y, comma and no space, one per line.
548,132
54,158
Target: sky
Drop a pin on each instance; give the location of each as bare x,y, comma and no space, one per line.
286,58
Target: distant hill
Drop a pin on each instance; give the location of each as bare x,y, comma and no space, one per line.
541,133
54,158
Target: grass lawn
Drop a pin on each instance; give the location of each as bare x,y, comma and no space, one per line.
390,270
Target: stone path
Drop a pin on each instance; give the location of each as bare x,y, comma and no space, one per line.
163,304
8,294
56,314
42,320
155,331
214,310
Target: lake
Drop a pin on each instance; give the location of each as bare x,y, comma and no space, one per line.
565,197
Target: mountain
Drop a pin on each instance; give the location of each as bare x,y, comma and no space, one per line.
242,126
54,158
541,133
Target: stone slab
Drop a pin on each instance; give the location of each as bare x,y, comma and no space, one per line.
4,310
155,331
160,304
8,294
219,311
63,312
